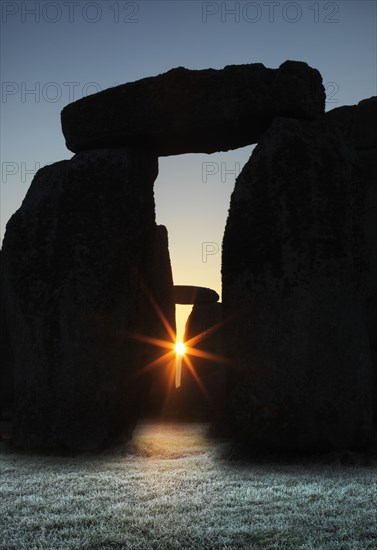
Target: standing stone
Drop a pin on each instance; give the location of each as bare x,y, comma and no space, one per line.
204,391
368,164
75,256
6,366
358,124
188,111
201,394
293,280
155,375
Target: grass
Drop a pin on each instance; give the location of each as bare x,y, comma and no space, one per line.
171,488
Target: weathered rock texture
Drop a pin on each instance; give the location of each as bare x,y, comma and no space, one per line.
76,281
188,111
194,294
293,277
358,124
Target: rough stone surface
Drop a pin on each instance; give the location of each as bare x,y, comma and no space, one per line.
184,294
358,124
342,118
187,111
294,284
74,271
365,126
368,163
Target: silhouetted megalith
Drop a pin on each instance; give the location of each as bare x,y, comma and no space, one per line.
294,281
368,162
86,285
75,271
185,294
154,381
358,124
204,399
189,111
6,367
201,396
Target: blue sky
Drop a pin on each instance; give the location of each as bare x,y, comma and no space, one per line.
54,52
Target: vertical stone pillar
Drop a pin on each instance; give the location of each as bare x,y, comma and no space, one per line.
293,277
75,263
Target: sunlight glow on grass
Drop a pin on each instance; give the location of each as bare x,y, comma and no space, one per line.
171,488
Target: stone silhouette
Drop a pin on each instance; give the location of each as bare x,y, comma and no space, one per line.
294,282
6,366
76,262
186,111
159,323
201,395
203,378
358,124
184,294
86,285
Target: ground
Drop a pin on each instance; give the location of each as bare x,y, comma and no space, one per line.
172,488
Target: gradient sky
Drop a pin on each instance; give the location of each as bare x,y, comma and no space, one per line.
56,52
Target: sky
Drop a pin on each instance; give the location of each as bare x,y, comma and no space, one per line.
54,52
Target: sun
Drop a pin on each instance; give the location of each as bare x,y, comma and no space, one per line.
180,348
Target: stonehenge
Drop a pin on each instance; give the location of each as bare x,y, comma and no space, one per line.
87,296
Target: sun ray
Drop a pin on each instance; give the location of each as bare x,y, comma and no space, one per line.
203,335
156,362
207,355
151,340
208,332
182,349
162,317
169,388
191,367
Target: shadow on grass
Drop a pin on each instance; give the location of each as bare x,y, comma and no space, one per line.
237,454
